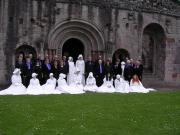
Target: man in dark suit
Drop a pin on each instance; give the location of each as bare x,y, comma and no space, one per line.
128,71
108,70
100,73
20,64
117,69
65,65
28,70
89,66
47,69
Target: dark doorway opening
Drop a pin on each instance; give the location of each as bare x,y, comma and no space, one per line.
25,50
120,54
73,47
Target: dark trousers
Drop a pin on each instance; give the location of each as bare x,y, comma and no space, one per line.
99,79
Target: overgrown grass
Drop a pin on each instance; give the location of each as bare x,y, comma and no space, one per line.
91,114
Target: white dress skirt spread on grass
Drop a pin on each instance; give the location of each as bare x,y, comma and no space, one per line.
49,87
34,87
91,83
16,88
139,88
77,86
107,87
63,87
121,85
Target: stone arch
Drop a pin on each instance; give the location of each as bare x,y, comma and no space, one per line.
88,33
25,50
121,54
70,46
153,50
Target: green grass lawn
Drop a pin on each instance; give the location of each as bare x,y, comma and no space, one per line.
91,114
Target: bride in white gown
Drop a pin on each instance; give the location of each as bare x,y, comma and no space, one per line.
80,64
90,83
50,85
121,85
122,67
16,88
63,87
34,87
70,76
77,86
107,86
136,86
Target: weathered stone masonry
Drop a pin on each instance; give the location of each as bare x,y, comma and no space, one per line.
145,29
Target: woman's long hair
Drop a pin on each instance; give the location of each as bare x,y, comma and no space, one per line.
135,78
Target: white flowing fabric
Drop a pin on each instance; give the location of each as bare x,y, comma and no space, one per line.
80,64
77,86
34,87
49,87
122,67
16,88
63,87
121,85
70,77
91,84
107,87
139,88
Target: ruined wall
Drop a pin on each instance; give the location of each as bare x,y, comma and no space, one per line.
121,23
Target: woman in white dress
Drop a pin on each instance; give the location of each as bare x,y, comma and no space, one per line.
16,88
80,64
70,76
107,86
90,83
77,86
122,67
34,87
50,85
136,86
121,85
62,85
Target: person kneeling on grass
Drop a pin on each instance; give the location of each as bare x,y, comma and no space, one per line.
34,87
16,88
62,85
136,86
77,85
121,85
50,85
90,83
107,86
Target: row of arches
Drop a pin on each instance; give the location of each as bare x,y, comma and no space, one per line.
152,50
72,47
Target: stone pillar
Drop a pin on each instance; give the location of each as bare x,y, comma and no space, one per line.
169,65
3,31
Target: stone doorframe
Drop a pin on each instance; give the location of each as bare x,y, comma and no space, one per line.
91,37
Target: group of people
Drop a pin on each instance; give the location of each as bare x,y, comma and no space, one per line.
37,77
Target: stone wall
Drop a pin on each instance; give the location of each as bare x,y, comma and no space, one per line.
3,31
103,27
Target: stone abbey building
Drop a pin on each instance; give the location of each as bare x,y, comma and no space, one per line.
141,29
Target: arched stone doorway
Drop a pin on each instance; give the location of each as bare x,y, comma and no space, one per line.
153,50
25,50
73,47
89,34
121,54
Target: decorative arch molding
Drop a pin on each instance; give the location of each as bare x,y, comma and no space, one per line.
88,33
121,54
153,23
